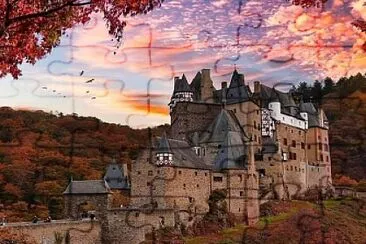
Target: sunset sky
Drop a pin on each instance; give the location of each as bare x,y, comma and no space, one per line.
270,41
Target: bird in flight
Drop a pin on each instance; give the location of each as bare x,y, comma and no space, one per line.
89,81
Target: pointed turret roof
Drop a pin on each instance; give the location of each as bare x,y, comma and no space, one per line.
181,85
115,177
236,80
196,86
225,121
163,146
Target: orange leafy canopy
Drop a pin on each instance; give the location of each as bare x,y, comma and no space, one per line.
29,29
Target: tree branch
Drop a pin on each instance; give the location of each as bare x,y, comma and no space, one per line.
71,3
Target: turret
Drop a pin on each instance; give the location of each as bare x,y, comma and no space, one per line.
164,155
182,92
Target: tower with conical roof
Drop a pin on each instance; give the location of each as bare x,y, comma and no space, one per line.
164,155
182,92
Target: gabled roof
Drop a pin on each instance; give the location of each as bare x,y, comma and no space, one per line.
87,187
181,85
232,154
115,177
225,121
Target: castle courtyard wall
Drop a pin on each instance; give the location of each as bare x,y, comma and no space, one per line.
85,232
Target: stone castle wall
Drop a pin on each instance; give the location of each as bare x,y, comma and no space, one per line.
84,232
188,117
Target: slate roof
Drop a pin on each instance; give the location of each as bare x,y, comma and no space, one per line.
183,154
163,145
87,187
231,154
196,86
288,105
181,85
115,177
313,116
237,80
225,121
226,131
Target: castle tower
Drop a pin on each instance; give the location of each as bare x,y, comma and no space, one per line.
182,92
207,88
164,156
252,187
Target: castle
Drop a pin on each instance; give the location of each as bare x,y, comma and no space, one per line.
247,142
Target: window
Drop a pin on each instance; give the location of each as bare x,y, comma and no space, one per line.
205,174
196,173
300,132
294,156
285,141
190,199
327,159
137,214
217,178
326,147
292,168
184,186
198,186
295,168
239,209
293,143
321,157
320,146
158,172
150,173
148,183
255,125
138,172
241,193
179,172
302,145
234,110
303,170
255,137
292,131
240,178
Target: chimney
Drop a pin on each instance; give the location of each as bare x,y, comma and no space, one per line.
206,74
207,87
257,87
223,85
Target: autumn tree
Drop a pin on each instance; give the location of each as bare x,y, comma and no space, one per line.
30,29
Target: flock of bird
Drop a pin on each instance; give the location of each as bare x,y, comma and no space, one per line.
87,92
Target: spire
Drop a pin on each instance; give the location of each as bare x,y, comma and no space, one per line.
181,85
237,79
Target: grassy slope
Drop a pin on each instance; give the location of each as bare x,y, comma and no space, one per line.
341,223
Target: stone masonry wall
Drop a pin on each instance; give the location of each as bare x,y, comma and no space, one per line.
73,202
188,117
81,232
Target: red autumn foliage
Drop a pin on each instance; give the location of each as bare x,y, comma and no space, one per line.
30,29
